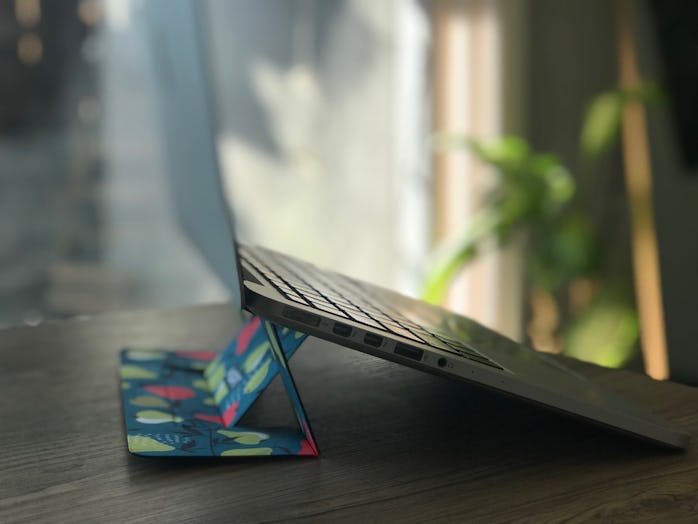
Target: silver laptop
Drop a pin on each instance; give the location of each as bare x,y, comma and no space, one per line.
331,306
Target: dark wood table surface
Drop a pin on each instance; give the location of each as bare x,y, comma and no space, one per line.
397,444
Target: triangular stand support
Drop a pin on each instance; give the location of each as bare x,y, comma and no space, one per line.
187,403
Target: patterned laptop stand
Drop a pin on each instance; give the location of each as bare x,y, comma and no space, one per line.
187,403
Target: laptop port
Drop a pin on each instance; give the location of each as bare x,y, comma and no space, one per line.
408,351
301,316
373,340
341,329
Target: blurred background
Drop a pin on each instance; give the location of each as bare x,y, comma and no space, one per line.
480,153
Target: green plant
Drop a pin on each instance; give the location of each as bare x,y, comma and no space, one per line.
537,202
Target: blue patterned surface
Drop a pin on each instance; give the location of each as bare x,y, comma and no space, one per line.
187,403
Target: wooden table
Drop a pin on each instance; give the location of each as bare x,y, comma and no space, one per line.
397,445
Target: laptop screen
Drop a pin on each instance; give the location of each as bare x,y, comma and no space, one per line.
188,131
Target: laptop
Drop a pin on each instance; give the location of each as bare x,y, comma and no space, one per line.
324,303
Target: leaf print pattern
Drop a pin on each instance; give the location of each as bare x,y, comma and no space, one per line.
186,403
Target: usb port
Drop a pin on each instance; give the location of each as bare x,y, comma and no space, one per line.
373,340
301,316
341,329
408,351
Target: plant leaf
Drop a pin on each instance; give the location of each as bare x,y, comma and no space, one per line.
601,124
455,255
607,333
600,129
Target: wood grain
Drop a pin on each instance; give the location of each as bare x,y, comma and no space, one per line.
396,444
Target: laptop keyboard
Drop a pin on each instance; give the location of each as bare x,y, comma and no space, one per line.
343,297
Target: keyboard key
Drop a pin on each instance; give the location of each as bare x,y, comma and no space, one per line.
351,309
387,321
435,342
466,350
449,339
426,335
296,298
404,333
364,319
457,344
283,287
304,287
311,295
484,361
329,308
319,301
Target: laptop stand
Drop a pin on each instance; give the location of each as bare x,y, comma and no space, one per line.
187,403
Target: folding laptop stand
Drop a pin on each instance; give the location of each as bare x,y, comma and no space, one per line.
186,403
